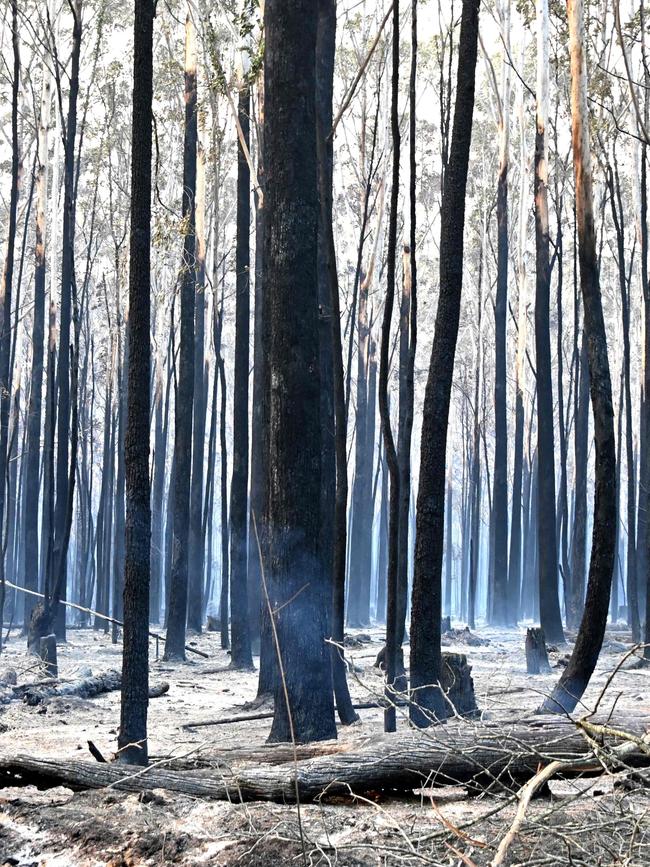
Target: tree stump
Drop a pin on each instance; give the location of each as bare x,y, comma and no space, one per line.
536,655
458,684
445,624
214,624
47,652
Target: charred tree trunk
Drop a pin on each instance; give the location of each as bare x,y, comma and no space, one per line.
175,644
304,707
583,660
426,659
549,603
240,632
196,539
132,739
333,422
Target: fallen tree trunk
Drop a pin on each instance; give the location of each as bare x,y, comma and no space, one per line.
498,754
88,687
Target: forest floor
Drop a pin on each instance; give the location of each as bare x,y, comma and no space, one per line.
583,821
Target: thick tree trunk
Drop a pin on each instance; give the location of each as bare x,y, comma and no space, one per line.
426,659
132,739
304,707
175,646
583,660
460,753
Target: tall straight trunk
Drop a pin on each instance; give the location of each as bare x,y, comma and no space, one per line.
514,561
240,631
103,513
299,589
426,657
503,612
34,411
475,478
618,218
382,556
449,547
6,290
157,496
257,608
132,739
392,578
358,605
549,602
119,521
643,540
64,481
407,332
225,559
196,540
333,423
576,675
175,644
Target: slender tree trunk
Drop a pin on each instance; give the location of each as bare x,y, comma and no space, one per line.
175,644
5,292
576,675
64,482
426,657
333,422
240,632
34,414
196,540
132,739
503,610
550,617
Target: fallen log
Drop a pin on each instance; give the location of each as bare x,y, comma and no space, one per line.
500,753
87,687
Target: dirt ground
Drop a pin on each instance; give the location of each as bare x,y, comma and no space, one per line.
590,822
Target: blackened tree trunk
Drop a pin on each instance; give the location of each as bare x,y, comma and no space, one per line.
132,739
333,425
196,537
224,607
304,707
6,290
175,644
240,631
34,413
157,495
358,605
426,658
576,675
63,480
392,577
549,602
618,218
581,457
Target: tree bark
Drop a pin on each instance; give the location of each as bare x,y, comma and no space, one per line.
304,707
583,660
426,659
175,646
